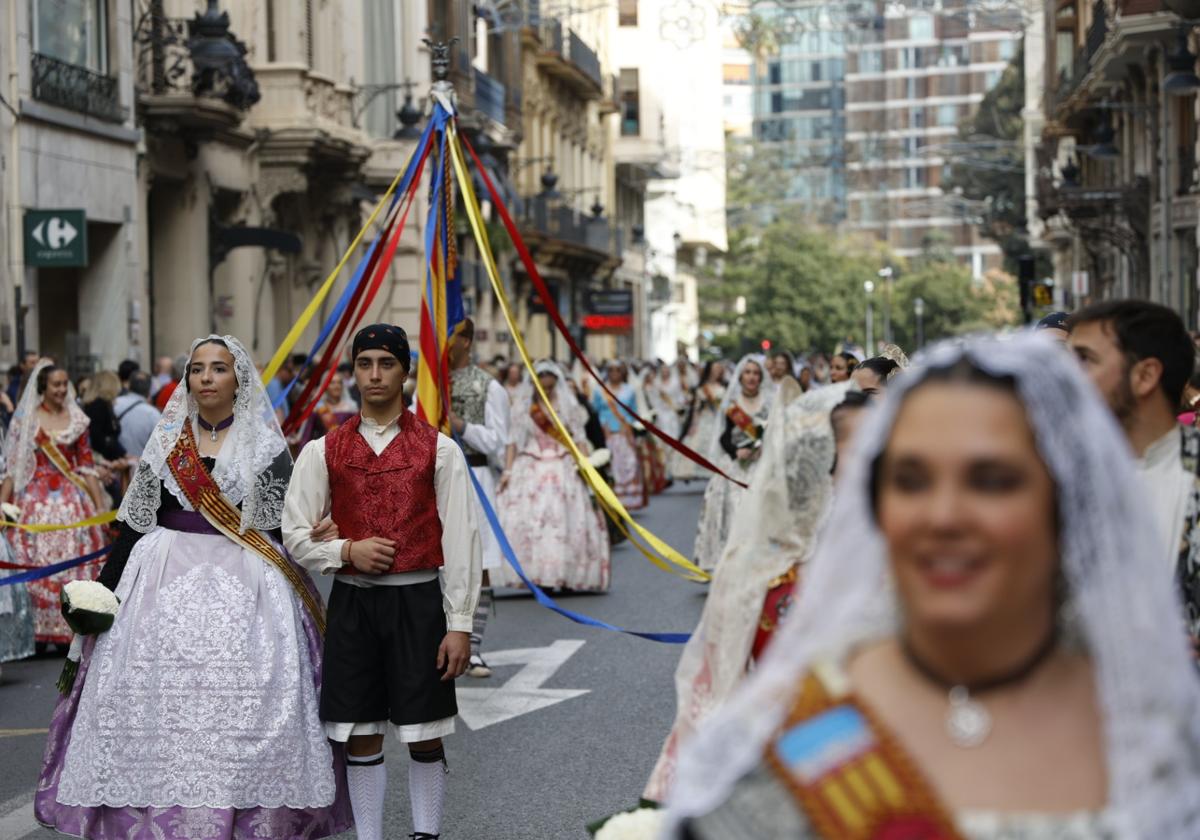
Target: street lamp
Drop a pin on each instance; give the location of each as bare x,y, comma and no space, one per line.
869,288
919,311
885,274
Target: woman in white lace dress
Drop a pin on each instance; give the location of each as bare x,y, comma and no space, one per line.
774,532
543,503
196,715
983,648
735,446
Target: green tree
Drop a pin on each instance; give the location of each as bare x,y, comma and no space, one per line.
802,285
954,303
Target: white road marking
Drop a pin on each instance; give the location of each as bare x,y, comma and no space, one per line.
522,693
18,823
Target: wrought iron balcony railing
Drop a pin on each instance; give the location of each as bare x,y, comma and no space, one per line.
557,221
166,60
585,58
76,88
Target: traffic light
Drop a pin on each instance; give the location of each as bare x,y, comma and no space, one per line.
766,344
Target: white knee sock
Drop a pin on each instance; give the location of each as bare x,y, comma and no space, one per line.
366,776
427,790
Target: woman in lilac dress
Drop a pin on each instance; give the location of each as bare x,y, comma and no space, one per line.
196,715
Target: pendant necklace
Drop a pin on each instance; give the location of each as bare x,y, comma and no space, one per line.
968,722
211,429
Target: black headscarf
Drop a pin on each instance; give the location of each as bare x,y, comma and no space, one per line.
387,337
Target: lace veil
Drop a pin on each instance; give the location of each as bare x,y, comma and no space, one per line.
566,406
20,459
733,391
254,464
1124,608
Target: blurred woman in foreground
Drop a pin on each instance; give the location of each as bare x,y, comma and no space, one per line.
983,647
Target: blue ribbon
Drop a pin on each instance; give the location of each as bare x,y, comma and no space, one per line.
47,571
339,308
540,596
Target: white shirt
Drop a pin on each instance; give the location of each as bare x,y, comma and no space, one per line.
490,438
1167,487
308,501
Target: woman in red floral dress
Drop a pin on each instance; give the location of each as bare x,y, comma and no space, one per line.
51,477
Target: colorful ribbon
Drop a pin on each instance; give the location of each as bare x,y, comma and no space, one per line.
544,599
314,305
45,528
660,554
556,318
55,568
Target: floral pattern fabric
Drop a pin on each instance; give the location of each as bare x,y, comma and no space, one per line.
182,716
51,498
548,515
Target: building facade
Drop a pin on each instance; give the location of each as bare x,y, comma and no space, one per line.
669,59
912,79
1115,165
72,207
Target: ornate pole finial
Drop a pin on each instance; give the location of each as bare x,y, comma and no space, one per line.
440,57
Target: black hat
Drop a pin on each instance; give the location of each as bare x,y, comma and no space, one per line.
1055,321
387,337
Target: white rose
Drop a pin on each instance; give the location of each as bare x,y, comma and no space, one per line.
600,458
642,824
91,596
11,511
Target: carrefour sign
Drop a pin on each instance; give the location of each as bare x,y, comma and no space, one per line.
55,238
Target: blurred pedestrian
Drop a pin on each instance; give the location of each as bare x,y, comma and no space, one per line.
1139,356
135,415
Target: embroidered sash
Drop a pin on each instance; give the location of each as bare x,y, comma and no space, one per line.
738,416
616,410
850,775
204,495
776,604
543,422
54,455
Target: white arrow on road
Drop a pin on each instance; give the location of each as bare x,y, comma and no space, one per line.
522,693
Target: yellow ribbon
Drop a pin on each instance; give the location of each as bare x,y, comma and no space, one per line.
314,305
659,553
45,528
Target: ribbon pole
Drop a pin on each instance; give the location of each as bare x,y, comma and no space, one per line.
599,486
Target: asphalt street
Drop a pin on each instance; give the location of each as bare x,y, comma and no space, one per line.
566,731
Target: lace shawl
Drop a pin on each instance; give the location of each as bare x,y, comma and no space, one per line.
1124,610
254,464
20,448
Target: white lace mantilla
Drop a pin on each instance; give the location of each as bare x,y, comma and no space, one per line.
202,694
243,469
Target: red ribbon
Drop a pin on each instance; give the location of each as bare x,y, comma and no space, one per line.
360,302
552,311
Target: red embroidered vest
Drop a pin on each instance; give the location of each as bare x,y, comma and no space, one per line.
389,495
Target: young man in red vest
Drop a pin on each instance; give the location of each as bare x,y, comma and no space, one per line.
400,494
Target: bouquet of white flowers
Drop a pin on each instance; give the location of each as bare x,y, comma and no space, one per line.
642,824
600,458
90,609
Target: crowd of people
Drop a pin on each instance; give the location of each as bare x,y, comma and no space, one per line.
955,598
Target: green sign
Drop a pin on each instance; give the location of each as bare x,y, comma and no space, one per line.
55,238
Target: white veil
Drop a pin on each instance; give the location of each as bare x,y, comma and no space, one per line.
732,392
566,406
1127,612
19,458
252,469
774,528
